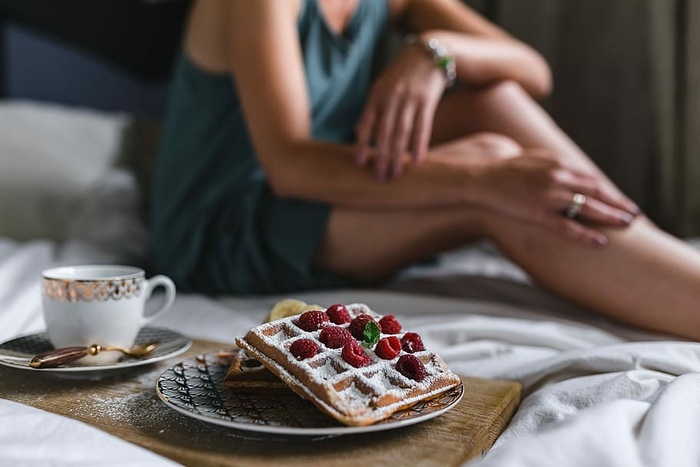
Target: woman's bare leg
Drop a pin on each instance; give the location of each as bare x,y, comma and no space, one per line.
371,245
505,109
643,276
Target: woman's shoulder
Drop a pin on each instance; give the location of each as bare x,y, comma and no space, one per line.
205,41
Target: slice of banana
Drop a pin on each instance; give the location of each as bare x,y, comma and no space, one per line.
311,307
290,307
285,308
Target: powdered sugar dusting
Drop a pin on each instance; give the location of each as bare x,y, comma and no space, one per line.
132,403
326,371
352,395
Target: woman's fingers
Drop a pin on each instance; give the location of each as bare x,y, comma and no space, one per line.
421,133
386,123
590,208
577,231
405,127
590,213
365,133
594,187
539,188
394,126
399,114
596,211
569,228
607,193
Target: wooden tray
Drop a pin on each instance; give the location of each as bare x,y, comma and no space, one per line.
127,406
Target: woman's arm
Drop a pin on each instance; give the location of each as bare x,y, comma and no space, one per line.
398,116
484,52
449,15
266,62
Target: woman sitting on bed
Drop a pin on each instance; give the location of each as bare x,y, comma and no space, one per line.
290,162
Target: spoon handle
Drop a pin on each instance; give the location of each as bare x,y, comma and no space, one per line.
58,357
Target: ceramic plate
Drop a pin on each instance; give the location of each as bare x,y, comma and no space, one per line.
195,388
18,352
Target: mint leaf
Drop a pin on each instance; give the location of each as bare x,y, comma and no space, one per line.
371,334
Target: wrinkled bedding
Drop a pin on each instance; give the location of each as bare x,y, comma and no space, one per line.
595,392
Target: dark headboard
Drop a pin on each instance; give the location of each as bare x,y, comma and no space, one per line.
108,54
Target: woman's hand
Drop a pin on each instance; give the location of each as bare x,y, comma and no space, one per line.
538,188
398,115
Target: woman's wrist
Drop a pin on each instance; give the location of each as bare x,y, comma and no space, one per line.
437,52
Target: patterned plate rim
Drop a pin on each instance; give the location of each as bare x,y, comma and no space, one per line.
455,396
186,343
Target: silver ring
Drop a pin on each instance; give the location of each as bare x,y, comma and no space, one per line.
577,203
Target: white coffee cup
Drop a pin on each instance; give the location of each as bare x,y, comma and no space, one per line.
105,305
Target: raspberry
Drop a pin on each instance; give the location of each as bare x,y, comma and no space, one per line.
389,325
303,348
411,367
354,354
388,348
334,337
338,314
357,326
312,320
411,342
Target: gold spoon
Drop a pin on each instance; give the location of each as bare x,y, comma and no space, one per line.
58,357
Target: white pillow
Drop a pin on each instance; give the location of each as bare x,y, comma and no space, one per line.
51,156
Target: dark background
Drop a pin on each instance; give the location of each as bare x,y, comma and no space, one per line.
106,54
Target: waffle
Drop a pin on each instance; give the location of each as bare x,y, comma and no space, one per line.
246,374
353,396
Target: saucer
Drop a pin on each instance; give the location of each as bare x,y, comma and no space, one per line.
18,352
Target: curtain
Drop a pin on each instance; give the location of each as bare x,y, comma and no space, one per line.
675,33
626,89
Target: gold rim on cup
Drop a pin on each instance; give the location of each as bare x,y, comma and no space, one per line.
58,286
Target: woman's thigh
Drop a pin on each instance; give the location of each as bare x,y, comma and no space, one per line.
504,109
461,113
370,245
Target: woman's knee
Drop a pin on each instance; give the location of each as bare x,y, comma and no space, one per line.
464,111
497,145
484,145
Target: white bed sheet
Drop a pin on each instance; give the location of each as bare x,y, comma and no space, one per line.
595,393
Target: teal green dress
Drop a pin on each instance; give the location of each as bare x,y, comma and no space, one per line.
217,226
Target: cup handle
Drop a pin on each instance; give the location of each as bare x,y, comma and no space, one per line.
169,286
